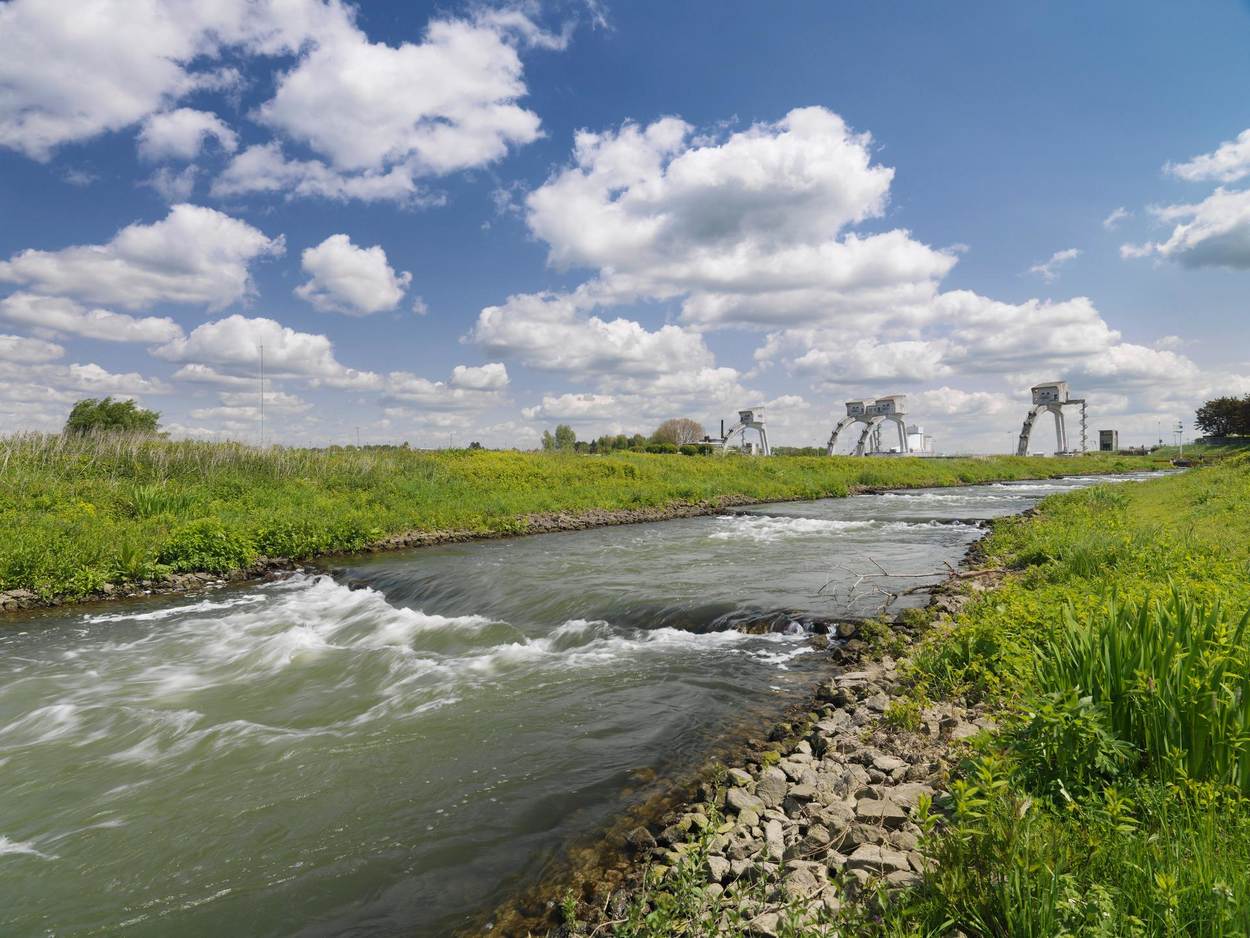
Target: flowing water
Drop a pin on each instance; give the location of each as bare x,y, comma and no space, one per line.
396,747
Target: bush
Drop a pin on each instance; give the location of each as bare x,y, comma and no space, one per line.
206,545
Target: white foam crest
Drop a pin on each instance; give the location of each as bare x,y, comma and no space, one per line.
46,724
768,528
206,605
765,528
23,847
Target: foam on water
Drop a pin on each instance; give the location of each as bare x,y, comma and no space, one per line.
768,528
21,848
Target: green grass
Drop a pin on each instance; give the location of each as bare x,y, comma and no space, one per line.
1117,654
80,512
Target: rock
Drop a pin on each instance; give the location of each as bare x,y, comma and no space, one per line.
741,778
886,763
801,794
741,800
802,883
771,787
718,868
847,629
640,839
877,859
739,868
909,794
883,812
765,924
877,703
955,728
901,879
713,891
774,839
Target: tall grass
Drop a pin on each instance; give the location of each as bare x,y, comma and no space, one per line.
1172,679
1116,801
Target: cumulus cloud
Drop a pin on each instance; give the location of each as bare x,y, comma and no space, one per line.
265,168
64,316
380,115
15,348
1229,162
747,230
470,387
180,134
234,343
1048,269
446,103
1212,233
137,58
193,255
546,331
351,280
492,376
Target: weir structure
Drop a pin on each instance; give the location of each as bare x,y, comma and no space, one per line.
752,419
872,414
1053,396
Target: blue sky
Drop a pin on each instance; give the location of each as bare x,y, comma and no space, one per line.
473,221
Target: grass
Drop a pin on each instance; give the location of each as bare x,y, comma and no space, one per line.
1117,655
82,512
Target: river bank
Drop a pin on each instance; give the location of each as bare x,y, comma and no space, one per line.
1049,757
799,829
97,519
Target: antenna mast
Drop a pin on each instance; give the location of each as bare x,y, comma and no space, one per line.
261,391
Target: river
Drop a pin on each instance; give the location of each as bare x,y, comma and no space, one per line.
395,748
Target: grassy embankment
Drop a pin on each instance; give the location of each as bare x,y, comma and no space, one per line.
81,513
1115,800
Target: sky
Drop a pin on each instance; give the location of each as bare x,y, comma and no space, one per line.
474,221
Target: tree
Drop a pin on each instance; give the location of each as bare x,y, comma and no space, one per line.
678,430
563,439
107,415
1225,416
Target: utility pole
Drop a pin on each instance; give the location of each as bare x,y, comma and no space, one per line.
1180,437
358,438
261,389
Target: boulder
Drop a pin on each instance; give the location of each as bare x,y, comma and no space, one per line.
771,787
876,858
741,800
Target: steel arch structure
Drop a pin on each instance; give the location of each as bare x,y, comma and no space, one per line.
872,414
1052,398
748,420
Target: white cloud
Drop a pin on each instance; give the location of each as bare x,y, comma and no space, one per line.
470,387
747,229
1227,163
1117,215
73,69
349,279
193,255
19,349
174,185
180,134
492,376
546,332
235,344
64,316
444,104
264,168
1211,233
1048,270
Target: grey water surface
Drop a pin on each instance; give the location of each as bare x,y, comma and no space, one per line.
397,747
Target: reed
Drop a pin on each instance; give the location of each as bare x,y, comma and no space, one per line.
1173,679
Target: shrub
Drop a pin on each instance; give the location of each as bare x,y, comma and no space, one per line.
206,544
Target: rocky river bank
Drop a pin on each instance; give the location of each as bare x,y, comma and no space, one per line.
825,813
